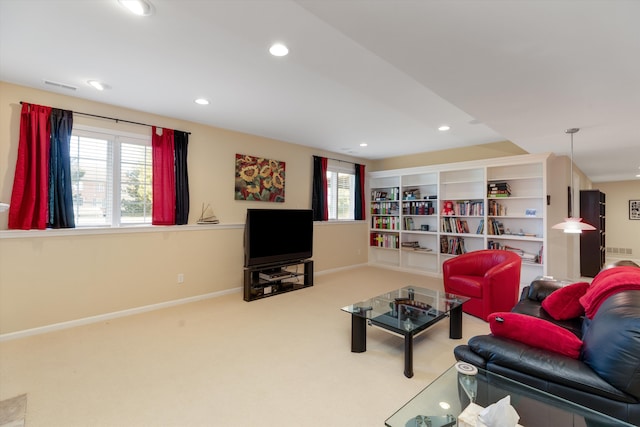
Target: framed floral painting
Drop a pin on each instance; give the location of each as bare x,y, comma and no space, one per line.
259,179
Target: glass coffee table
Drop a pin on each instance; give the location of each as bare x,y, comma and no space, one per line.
407,312
442,401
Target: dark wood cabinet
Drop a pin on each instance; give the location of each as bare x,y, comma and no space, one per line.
593,248
266,281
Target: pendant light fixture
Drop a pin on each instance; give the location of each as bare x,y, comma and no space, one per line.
573,224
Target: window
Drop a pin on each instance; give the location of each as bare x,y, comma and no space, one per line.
340,190
111,178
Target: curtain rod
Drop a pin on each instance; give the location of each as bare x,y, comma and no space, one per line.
114,119
343,161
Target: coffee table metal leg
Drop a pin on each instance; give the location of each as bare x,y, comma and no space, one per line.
455,323
358,334
408,355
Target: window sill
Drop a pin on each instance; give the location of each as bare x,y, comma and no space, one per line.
90,231
339,221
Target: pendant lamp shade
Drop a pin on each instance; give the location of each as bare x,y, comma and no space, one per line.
572,224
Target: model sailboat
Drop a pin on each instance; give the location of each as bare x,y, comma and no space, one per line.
207,216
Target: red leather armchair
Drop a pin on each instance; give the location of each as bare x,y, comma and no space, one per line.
491,278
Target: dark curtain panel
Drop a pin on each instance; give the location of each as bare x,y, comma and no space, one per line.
164,177
60,191
359,209
181,142
29,195
319,196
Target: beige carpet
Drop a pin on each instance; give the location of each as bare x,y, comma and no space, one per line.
280,361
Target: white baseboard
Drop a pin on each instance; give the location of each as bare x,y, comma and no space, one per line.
109,316
335,270
136,310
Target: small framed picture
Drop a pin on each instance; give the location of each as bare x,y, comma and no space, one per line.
530,212
634,209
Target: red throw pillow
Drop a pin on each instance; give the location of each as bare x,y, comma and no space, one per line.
564,303
535,332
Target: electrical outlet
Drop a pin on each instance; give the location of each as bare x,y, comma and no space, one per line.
180,278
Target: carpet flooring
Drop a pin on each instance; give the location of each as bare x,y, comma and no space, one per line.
279,361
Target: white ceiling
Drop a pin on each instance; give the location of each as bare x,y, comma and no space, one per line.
383,72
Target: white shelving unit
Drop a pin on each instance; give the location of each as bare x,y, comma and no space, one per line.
422,216
384,236
419,218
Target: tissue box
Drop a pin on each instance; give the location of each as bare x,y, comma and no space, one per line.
469,417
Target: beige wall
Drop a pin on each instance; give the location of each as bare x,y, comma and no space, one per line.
68,275
211,152
621,232
59,278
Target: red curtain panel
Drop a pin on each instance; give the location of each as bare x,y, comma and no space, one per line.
29,197
164,185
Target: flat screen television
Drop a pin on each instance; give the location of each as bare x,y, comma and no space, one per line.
274,236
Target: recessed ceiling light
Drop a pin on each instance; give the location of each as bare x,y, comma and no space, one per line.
278,49
202,101
444,128
96,84
364,144
138,7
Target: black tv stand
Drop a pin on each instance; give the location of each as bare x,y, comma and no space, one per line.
268,280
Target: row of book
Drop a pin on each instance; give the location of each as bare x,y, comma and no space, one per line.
498,189
465,208
496,208
385,222
384,208
383,240
526,256
452,245
418,208
386,194
454,225
495,227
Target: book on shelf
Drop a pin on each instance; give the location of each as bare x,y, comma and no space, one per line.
408,223
469,208
496,208
495,227
410,244
498,189
381,240
525,256
452,245
454,225
499,185
385,194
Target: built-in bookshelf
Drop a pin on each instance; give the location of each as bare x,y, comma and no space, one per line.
422,216
419,216
385,226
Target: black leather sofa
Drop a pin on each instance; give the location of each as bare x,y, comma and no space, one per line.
605,377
